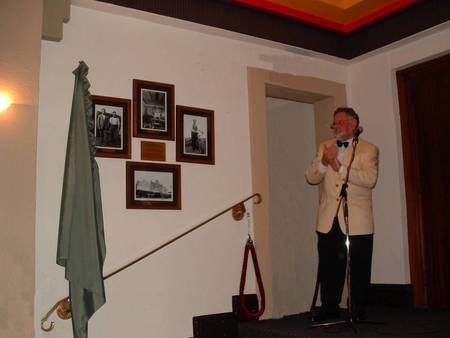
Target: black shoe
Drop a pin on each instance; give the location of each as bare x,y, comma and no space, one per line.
324,316
360,316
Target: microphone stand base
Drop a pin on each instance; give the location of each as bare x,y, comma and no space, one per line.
349,321
330,323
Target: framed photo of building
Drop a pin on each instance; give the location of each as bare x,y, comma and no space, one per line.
195,135
112,126
153,185
153,112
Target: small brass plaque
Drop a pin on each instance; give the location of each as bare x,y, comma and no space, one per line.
153,151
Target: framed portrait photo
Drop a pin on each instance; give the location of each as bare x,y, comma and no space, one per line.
195,135
112,126
153,185
153,112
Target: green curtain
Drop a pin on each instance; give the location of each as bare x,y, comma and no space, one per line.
81,241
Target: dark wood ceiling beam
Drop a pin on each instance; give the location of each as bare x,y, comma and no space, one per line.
412,20
241,19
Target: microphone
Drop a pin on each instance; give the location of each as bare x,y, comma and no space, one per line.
358,132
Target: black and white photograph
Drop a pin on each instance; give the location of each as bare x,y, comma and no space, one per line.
153,110
112,126
153,186
195,135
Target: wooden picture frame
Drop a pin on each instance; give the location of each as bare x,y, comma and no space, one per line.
153,113
112,126
153,185
195,135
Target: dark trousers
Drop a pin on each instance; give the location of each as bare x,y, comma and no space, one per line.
332,265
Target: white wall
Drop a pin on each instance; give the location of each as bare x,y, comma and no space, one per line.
373,93
293,207
197,275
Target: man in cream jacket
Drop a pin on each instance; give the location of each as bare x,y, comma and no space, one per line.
330,168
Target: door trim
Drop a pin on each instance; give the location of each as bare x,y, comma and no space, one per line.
326,96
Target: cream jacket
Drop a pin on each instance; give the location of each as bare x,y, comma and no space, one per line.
362,179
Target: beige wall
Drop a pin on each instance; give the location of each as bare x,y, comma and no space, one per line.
293,207
199,274
373,93
211,71
19,69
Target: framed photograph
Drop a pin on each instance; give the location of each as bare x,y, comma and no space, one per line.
153,185
195,135
153,111
112,126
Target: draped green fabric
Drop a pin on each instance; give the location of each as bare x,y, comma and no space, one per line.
81,241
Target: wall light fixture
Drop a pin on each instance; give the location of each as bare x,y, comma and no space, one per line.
5,101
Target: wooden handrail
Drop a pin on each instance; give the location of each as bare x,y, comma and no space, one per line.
62,307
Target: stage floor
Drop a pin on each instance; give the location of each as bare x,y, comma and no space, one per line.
381,322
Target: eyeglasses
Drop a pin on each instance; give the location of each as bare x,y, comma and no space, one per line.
339,123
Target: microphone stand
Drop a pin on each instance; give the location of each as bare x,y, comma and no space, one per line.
343,201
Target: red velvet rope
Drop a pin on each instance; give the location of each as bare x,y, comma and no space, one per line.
255,315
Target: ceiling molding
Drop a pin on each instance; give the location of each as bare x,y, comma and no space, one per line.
229,16
341,16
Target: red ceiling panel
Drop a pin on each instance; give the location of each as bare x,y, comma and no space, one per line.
343,16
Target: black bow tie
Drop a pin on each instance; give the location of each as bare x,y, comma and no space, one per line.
340,144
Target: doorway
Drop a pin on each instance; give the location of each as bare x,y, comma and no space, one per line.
294,204
324,96
425,121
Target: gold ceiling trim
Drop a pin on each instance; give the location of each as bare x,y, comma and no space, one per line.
343,4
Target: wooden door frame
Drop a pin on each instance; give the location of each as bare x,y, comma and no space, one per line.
415,223
326,96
